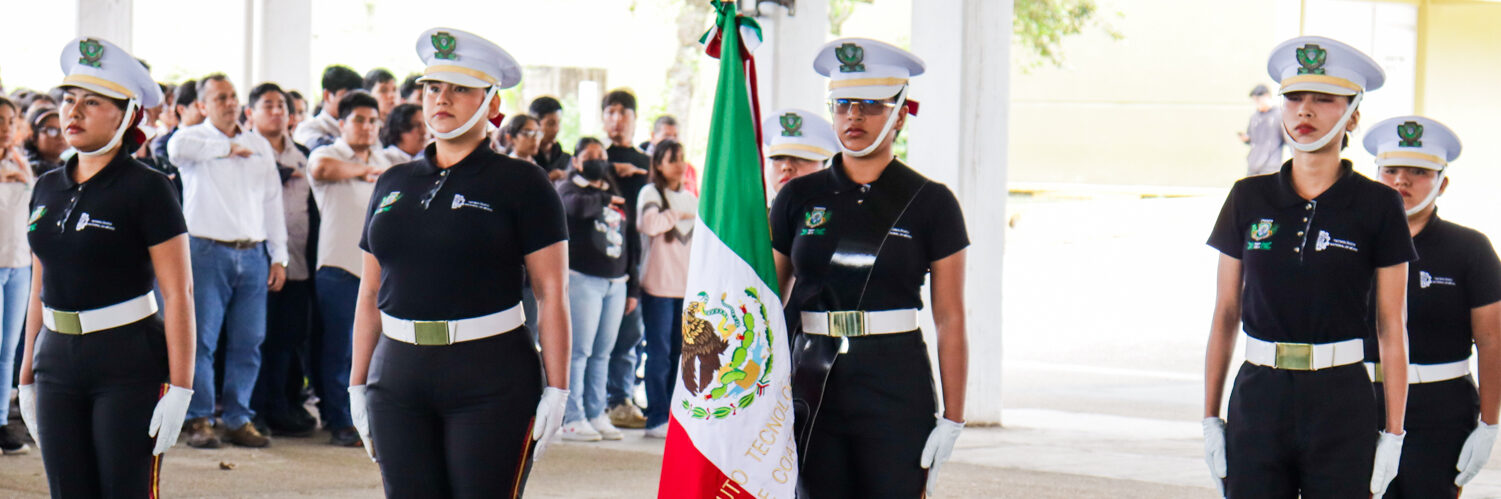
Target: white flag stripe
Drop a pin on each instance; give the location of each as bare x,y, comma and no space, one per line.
744,428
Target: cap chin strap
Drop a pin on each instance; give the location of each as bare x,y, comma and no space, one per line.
1337,131
483,107
125,124
1438,182
901,102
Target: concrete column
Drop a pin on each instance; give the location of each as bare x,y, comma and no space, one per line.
959,138
784,63
107,19
282,38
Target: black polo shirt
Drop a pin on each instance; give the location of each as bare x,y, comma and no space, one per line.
554,158
1458,272
812,215
93,238
461,255
1310,266
630,189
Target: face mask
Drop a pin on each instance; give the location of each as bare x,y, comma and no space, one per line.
595,170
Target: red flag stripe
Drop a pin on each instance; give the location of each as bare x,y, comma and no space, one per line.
687,474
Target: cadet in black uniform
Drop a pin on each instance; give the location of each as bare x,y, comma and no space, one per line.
1453,302
1302,252
106,374
455,387
860,237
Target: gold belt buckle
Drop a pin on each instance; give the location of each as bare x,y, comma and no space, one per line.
847,323
431,333
1295,356
1376,376
66,322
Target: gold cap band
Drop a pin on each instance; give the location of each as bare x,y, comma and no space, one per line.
776,149
1324,79
449,68
866,82
83,79
1412,155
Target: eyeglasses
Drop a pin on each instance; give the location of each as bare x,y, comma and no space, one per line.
529,133
867,107
50,131
62,222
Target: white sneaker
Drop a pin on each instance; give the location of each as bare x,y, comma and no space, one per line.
658,431
606,430
579,431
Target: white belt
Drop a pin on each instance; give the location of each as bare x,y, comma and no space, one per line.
1424,373
860,322
1304,356
99,319
450,332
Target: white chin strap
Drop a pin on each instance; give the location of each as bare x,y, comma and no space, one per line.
901,102
125,124
478,113
1337,131
1438,182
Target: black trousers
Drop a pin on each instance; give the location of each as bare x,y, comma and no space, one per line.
1292,432
289,317
1440,416
455,420
95,395
868,434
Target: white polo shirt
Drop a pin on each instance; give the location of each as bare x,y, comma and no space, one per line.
230,198
342,205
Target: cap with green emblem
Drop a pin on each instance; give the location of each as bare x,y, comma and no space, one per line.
861,68
1412,141
101,67
799,133
1323,65
466,59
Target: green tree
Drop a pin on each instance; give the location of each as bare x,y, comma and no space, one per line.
1039,27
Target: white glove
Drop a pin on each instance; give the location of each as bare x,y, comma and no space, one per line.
549,418
28,411
1214,452
359,411
1388,454
938,449
167,418
1475,453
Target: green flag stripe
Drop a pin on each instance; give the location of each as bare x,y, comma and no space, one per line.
733,204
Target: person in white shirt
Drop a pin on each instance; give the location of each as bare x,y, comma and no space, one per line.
232,201
323,129
343,177
15,263
404,134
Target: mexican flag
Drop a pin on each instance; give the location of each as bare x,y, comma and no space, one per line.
730,433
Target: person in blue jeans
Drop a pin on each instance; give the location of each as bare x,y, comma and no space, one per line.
233,206
15,266
597,278
343,175
668,212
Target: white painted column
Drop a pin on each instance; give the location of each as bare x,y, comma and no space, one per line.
959,138
107,19
283,34
784,63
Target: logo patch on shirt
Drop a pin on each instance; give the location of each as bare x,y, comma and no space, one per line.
1261,231
35,215
1425,280
85,222
386,202
1326,241
460,202
814,220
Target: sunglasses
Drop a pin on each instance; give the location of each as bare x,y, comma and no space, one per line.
866,107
